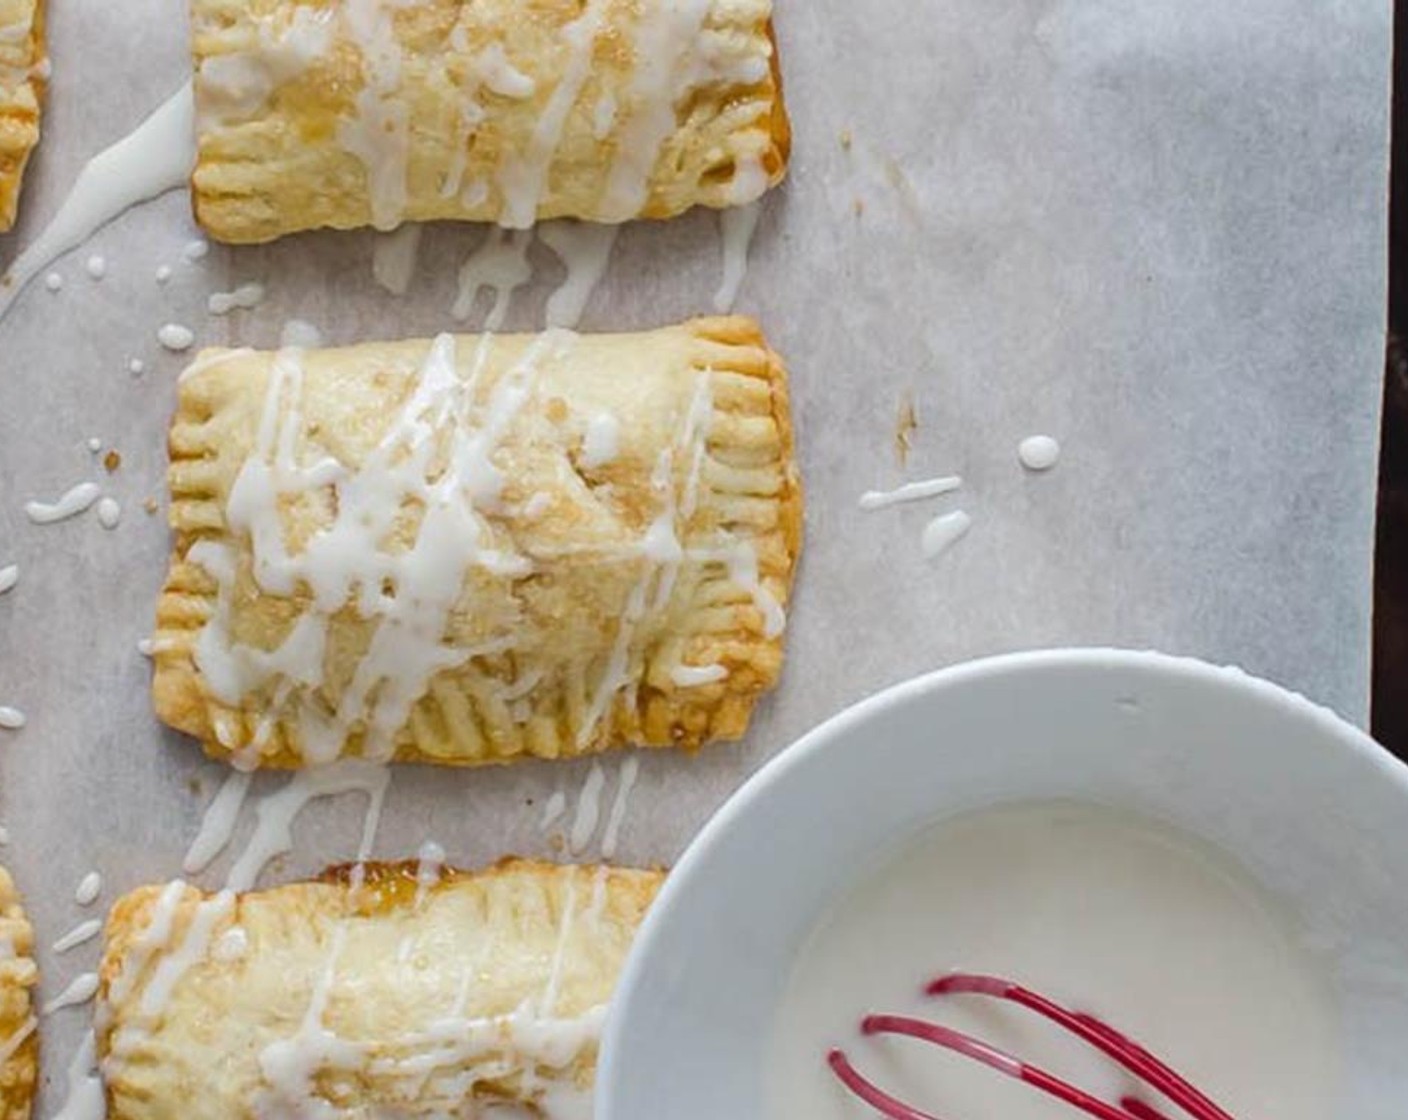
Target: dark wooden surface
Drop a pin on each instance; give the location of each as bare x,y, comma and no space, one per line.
1390,679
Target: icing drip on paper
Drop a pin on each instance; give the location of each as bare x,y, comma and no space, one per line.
910,492
88,889
218,824
588,810
84,1099
244,298
944,532
74,501
81,934
625,782
500,266
584,250
394,257
153,159
83,988
736,229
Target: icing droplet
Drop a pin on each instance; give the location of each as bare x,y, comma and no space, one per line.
80,934
54,282
88,889
163,273
944,532
910,492
83,988
96,266
94,444
1039,453
245,297
74,501
12,719
109,513
136,366
553,811
175,337
9,576
196,250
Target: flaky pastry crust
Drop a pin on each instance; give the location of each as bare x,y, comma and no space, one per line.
19,1037
23,71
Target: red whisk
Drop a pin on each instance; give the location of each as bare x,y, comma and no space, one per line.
1104,1038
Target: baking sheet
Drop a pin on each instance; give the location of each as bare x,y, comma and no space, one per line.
1156,232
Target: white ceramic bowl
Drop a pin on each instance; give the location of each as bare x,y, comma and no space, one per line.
1307,804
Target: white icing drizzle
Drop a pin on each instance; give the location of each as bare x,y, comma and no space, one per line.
344,562
84,1099
96,266
174,964
81,934
243,298
153,159
584,248
218,824
430,865
554,810
394,257
910,492
588,810
692,676
1039,453
88,889
109,513
12,719
236,85
176,337
9,576
742,561
273,833
231,945
944,532
736,228
625,782
297,333
74,501
669,64
196,250
379,133
602,442
523,176
498,265
81,989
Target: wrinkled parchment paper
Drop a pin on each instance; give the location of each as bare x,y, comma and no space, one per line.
1154,231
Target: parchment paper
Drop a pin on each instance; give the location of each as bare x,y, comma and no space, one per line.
1155,231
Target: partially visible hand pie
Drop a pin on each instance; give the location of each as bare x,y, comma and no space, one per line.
317,113
395,998
475,549
23,71
19,1039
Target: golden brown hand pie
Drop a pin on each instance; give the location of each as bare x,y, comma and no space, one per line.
395,998
23,70
349,113
19,1039
474,549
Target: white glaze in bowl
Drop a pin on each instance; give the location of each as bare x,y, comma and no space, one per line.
1310,807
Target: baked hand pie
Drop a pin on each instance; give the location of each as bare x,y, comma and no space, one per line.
327,113
23,71
19,1039
372,993
474,549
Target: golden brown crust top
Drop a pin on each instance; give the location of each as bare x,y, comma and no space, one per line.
19,1038
23,74
423,995
628,606
481,112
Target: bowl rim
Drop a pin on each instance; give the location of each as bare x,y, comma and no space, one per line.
833,729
